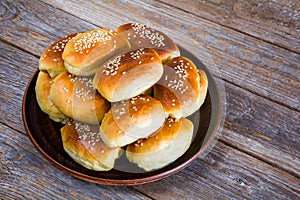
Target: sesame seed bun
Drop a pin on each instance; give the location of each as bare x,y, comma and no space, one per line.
163,147
83,143
78,99
86,51
179,89
142,36
130,120
42,90
51,59
128,75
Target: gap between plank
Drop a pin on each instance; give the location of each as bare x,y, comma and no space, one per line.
259,158
19,48
257,94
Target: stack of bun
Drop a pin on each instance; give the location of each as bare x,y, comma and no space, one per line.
128,89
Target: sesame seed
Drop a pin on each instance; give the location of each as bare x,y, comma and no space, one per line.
102,151
143,31
55,60
112,66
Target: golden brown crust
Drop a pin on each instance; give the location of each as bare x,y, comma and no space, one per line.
162,147
51,59
129,120
78,99
42,90
142,36
128,75
179,87
203,86
84,144
154,142
86,51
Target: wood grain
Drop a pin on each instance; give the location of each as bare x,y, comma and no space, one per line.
17,67
258,153
237,104
33,26
26,175
233,174
251,63
277,22
262,128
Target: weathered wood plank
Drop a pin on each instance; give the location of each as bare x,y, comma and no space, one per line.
277,22
258,66
25,174
17,67
233,174
262,128
33,26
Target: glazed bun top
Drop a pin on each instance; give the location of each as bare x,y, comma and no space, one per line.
179,87
78,99
86,51
132,119
162,147
128,75
142,36
51,59
84,144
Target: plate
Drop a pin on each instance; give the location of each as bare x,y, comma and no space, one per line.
45,136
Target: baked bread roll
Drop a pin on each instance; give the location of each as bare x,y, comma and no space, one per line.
86,51
129,120
51,60
203,86
78,99
179,88
142,36
128,75
42,90
162,147
83,143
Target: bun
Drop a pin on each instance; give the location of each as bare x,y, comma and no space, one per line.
86,51
162,147
129,120
128,75
142,36
51,60
42,89
83,143
179,88
78,99
203,86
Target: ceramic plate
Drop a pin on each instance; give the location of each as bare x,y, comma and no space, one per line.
45,135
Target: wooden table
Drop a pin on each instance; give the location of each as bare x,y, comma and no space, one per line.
251,46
